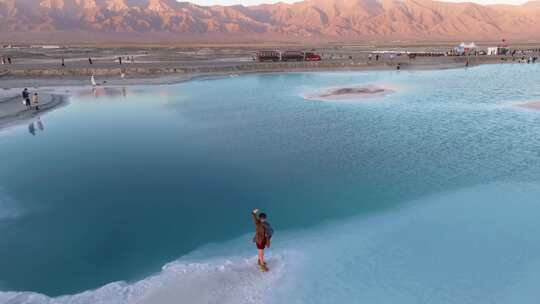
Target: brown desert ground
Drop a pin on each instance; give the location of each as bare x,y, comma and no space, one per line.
42,66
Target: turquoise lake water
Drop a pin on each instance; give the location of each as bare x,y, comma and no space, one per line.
427,195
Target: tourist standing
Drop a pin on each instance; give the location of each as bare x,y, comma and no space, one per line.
28,102
9,60
35,101
120,60
26,98
263,234
90,60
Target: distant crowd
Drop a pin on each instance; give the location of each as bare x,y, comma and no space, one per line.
525,59
525,55
120,60
6,60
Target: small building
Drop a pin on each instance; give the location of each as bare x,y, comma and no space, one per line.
497,50
50,46
46,46
492,51
502,48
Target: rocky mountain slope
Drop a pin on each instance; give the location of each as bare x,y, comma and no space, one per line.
310,19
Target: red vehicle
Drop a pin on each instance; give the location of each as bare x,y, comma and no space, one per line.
268,56
312,57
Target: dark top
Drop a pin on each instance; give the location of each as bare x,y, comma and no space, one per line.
260,235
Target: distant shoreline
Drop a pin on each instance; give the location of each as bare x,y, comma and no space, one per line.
13,113
51,75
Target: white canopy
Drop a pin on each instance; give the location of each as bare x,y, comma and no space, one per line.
464,45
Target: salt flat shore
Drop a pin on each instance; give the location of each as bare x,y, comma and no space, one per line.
13,112
39,74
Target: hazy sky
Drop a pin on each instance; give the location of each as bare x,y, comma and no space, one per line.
251,2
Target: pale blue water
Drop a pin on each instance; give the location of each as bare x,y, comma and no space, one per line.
428,195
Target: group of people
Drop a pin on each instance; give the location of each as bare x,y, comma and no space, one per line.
30,101
523,52
524,59
118,59
6,60
370,57
126,59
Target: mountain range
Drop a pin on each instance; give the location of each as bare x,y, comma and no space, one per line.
332,20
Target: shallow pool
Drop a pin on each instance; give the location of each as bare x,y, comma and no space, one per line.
425,195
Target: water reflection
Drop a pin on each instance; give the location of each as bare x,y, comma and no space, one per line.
108,92
117,93
32,129
40,124
33,124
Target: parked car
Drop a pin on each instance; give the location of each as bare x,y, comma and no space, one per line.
268,56
292,56
312,57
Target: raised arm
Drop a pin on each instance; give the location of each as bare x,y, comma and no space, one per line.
254,215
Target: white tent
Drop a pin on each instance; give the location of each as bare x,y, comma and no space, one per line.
465,48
